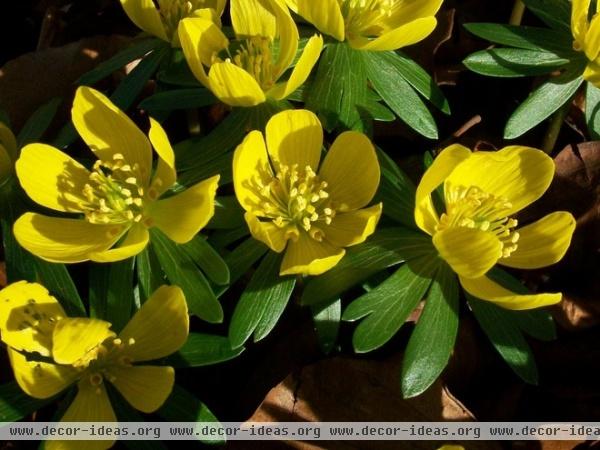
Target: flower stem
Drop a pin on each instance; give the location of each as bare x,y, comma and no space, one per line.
517,13
555,126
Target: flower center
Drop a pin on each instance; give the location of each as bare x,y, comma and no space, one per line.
255,56
363,17
294,200
113,193
471,207
173,11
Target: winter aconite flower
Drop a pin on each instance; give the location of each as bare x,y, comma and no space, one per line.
294,204
482,193
8,152
161,18
117,200
49,352
585,35
248,70
376,25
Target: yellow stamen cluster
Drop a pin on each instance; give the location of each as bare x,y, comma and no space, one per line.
98,361
365,16
113,193
255,56
173,11
473,208
295,200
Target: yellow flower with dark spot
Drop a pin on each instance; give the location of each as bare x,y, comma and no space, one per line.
119,199
294,204
586,35
162,21
376,25
247,71
87,352
482,193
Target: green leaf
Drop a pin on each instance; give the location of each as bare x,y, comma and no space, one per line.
228,213
537,323
177,71
38,123
386,248
396,191
224,238
432,340
262,302
179,99
118,61
111,292
506,337
398,94
221,165
203,350
339,86
376,111
149,273
56,278
133,84
183,406
182,271
531,38
243,257
419,79
540,105
592,110
513,62
387,307
207,259
15,404
326,318
554,13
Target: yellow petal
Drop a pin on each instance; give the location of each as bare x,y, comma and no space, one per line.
295,137
592,39
353,227
351,170
542,243
234,86
91,404
165,175
145,387
253,18
200,40
108,131
310,56
182,216
469,251
288,37
486,289
40,379
135,241
267,232
592,73
145,15
325,15
403,36
520,174
8,141
405,11
74,337
24,304
425,215
64,240
160,327
579,19
251,169
59,185
307,256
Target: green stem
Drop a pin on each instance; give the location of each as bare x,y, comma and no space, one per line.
554,128
517,13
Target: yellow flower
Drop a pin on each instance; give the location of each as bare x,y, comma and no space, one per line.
162,21
586,35
482,193
376,25
247,71
119,197
292,203
87,352
8,152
